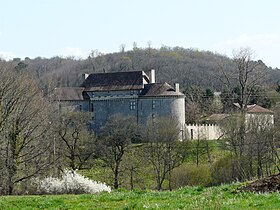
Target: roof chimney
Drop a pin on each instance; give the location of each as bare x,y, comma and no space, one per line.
152,76
85,76
177,88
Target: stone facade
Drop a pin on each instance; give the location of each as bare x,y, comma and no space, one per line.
126,93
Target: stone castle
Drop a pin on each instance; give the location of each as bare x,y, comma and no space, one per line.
127,93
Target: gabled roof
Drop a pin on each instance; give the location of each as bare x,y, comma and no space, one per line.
217,117
159,89
254,108
68,94
258,109
132,80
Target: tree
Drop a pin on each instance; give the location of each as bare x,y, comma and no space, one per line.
244,79
77,141
256,156
134,166
240,84
24,127
199,103
163,149
116,136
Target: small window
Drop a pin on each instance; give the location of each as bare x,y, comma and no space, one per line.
191,134
153,104
153,117
91,107
80,107
132,105
132,92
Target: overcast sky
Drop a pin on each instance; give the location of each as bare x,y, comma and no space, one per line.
47,28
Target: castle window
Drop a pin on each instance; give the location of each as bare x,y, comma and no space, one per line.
91,107
132,105
132,92
153,104
153,118
80,107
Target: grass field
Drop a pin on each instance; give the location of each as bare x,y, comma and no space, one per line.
222,197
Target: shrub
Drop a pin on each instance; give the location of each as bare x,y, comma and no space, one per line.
70,183
227,170
191,175
223,171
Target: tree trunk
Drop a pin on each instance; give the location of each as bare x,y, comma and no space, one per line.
131,178
158,181
197,152
116,176
209,157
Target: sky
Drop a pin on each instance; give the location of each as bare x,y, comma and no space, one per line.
48,28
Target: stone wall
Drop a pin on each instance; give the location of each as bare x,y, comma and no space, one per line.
203,131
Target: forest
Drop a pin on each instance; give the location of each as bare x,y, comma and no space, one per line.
189,67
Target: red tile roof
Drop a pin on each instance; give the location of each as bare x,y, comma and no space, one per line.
254,108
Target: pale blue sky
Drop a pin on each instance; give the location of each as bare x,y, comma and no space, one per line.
48,28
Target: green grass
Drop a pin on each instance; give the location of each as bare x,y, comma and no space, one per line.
222,197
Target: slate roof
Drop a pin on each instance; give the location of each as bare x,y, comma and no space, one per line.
132,80
159,89
254,108
68,93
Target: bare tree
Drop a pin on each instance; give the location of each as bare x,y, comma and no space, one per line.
77,141
117,134
256,155
163,149
240,84
245,77
134,165
23,128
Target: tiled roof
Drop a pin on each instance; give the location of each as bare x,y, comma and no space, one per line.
159,89
254,108
115,81
68,93
257,109
217,117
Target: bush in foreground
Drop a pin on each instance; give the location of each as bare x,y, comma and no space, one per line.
70,183
191,175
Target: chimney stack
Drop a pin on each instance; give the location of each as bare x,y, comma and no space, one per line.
153,76
85,76
177,88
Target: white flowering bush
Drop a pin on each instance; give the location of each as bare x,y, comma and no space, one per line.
70,183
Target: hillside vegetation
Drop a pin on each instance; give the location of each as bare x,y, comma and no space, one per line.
187,66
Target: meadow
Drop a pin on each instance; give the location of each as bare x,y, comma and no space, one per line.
220,197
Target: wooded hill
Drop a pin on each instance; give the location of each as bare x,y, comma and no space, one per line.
186,66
